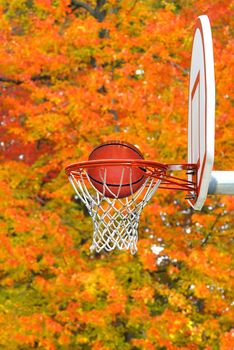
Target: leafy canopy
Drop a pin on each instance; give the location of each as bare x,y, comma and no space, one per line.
74,74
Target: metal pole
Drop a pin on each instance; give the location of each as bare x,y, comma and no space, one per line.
221,182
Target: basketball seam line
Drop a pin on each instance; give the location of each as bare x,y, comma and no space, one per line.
114,144
115,185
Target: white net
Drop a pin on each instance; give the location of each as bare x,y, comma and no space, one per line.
115,220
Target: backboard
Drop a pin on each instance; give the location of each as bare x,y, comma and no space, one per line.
201,118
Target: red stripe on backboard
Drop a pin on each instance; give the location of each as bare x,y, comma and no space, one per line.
194,89
197,81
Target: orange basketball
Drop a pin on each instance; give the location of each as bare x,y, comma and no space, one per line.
114,174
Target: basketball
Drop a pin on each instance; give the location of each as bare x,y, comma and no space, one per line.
121,180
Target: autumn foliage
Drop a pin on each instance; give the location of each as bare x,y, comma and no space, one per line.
72,75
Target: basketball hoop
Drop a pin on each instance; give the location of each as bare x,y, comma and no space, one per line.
116,182
115,219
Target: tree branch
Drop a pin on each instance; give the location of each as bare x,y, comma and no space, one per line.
8,80
99,13
173,64
80,4
205,240
132,7
43,77
116,117
176,65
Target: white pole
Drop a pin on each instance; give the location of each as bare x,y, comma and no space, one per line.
221,182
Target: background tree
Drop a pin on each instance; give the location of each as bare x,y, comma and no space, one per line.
74,74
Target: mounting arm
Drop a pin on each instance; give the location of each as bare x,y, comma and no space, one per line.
221,182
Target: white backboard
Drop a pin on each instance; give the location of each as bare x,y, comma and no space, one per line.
201,118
